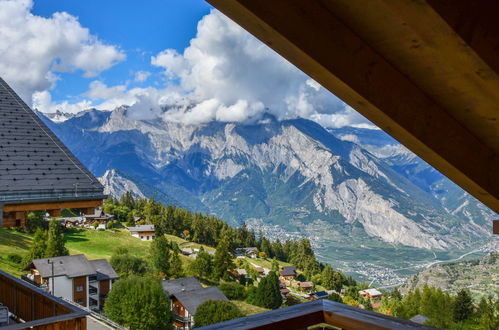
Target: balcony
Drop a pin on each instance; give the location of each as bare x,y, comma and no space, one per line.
314,313
92,290
34,308
182,319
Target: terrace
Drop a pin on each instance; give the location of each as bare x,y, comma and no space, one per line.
31,307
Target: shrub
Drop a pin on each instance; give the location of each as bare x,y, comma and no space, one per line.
215,311
233,290
15,258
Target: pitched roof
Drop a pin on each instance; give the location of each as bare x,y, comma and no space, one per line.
104,269
141,228
181,284
287,273
70,266
293,268
34,163
306,284
192,299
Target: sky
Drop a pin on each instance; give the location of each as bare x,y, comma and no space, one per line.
152,55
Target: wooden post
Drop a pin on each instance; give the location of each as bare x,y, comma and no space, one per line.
495,225
54,213
88,210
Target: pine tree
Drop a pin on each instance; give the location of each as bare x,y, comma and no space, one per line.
463,306
328,280
55,241
222,263
268,294
38,247
160,255
176,270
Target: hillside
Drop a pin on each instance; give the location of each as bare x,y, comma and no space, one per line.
480,276
94,244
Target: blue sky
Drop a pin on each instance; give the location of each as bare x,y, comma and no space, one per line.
140,29
179,59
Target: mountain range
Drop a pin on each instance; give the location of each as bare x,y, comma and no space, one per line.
343,188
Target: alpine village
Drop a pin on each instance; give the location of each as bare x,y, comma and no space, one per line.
73,257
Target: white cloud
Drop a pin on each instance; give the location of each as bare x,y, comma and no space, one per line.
235,77
141,76
224,75
34,49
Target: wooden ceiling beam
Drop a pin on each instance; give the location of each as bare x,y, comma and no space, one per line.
325,44
51,206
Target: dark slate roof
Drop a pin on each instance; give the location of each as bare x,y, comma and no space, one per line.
181,284
34,164
103,269
141,228
292,268
287,273
321,294
70,266
192,299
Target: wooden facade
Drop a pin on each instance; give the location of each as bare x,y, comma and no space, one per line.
80,290
38,309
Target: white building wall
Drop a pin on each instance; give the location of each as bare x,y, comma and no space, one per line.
63,287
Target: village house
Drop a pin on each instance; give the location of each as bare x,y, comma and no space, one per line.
187,251
287,275
186,296
370,293
98,216
75,278
143,232
260,270
285,293
319,295
251,252
305,286
289,268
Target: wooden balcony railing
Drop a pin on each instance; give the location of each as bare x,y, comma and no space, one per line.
36,308
316,312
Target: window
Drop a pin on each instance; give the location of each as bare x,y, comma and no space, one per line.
79,288
141,237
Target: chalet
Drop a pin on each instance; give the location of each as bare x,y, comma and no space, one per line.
186,295
98,216
319,295
285,293
86,282
260,270
37,172
370,293
305,286
144,232
287,275
289,268
251,252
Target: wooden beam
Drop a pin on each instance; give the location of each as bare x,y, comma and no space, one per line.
323,38
495,225
52,206
316,312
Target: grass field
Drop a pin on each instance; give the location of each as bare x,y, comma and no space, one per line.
265,263
248,309
93,244
182,243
